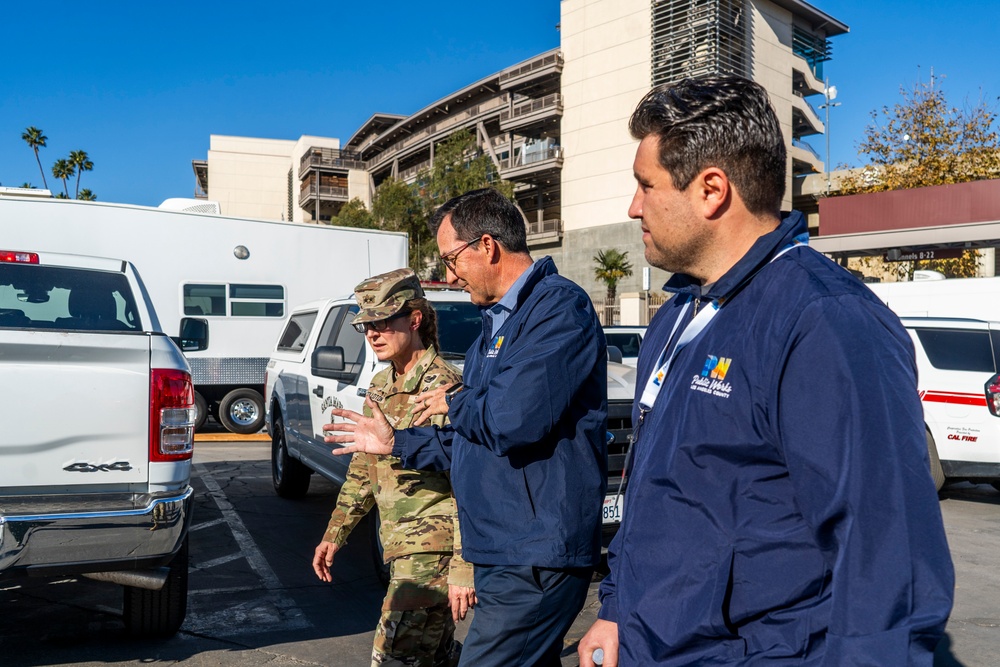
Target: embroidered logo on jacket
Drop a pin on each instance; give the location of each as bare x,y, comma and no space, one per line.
494,347
716,367
713,376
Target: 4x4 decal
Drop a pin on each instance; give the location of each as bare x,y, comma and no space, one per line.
117,466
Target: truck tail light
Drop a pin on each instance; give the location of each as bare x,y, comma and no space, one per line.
171,415
993,395
18,257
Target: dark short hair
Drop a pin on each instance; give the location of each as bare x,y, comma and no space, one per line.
484,211
718,121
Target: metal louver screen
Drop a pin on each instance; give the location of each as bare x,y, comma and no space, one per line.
699,37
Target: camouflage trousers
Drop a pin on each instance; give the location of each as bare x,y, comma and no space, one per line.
416,628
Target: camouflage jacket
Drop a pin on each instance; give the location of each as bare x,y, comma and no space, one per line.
416,507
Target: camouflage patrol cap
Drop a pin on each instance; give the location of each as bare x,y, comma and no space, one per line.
382,296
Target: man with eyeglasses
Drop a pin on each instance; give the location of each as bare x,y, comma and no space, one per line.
525,445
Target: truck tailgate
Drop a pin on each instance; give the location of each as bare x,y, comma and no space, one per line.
74,409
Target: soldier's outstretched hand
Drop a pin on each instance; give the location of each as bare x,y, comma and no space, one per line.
372,434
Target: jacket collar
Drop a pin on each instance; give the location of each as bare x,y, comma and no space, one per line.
764,248
540,269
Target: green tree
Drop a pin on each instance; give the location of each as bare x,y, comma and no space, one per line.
86,195
63,170
27,185
610,266
34,138
354,214
459,166
81,161
923,141
397,207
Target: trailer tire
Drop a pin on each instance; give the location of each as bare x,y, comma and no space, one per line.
937,472
242,411
201,411
289,476
159,614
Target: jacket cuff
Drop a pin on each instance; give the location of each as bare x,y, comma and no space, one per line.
399,444
609,609
460,573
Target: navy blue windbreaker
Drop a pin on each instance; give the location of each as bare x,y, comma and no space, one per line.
780,510
526,445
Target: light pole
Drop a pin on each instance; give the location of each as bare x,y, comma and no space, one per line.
829,95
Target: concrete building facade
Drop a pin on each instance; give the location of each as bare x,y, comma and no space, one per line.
556,125
306,180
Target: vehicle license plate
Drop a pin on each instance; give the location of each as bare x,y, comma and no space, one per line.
612,512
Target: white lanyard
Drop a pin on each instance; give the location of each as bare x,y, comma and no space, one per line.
697,325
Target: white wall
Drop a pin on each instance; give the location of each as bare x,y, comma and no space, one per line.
606,71
249,176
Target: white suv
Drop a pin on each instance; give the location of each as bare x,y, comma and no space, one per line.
958,362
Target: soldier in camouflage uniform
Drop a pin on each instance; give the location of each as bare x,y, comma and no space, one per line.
419,518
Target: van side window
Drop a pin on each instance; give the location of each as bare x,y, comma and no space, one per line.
205,300
293,338
256,300
958,350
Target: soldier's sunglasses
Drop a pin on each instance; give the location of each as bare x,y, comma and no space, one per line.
379,325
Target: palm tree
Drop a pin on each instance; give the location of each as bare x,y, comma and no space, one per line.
86,195
81,161
610,267
63,170
34,138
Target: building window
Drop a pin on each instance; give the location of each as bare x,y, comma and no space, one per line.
699,37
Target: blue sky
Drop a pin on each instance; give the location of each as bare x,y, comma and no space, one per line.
141,86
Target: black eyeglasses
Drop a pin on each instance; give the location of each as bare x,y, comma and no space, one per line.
379,325
449,258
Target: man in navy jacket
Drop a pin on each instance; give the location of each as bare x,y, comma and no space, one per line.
526,445
779,508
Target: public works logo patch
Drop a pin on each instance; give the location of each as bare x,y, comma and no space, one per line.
716,367
495,347
712,379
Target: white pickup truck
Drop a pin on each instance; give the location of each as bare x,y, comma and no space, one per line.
321,362
97,414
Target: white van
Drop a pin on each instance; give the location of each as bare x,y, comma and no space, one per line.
958,361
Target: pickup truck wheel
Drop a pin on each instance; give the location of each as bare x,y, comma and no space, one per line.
937,472
383,571
242,411
201,408
159,614
290,476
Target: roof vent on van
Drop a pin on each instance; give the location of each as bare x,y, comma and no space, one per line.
192,205
927,274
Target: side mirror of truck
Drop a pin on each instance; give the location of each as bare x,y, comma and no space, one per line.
328,362
614,354
193,335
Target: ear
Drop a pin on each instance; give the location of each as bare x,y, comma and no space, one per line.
712,191
415,322
491,247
